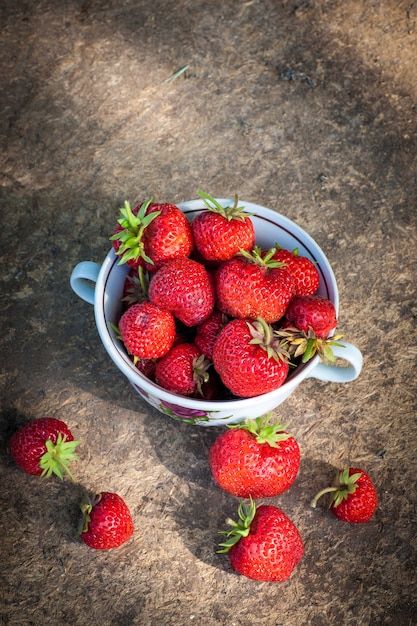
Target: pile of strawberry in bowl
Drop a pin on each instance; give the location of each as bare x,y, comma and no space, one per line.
216,309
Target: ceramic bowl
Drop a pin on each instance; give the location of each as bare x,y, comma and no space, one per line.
102,286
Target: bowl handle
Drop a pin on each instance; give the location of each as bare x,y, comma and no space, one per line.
82,276
335,373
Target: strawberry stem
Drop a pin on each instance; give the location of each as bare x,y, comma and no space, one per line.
241,528
322,493
344,486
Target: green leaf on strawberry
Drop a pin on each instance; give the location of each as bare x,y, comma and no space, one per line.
130,232
241,528
299,343
264,337
57,457
265,430
230,212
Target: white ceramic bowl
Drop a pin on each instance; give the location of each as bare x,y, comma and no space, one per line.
103,287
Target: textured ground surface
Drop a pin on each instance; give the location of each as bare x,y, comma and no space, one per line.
306,107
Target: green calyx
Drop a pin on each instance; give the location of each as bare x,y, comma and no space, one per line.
138,289
295,252
263,336
57,457
241,528
86,506
265,430
262,259
131,235
344,486
299,343
234,212
200,366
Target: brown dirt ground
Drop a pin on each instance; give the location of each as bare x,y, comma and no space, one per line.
306,107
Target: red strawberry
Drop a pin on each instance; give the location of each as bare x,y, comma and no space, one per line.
182,370
312,312
207,332
303,271
183,287
220,232
43,447
147,331
264,544
253,285
255,459
354,497
107,521
151,234
147,367
248,358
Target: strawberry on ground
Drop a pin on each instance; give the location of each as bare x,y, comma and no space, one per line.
256,458
248,358
264,544
147,331
221,232
183,370
354,497
43,447
183,287
151,234
107,522
302,269
254,285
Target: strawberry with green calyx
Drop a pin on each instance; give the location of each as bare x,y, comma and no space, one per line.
183,370
249,359
302,269
256,458
354,497
220,232
252,285
315,312
127,239
107,522
151,234
299,343
264,545
43,447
